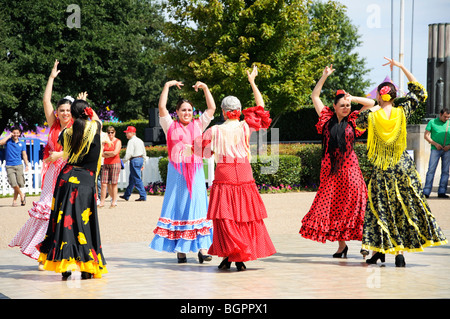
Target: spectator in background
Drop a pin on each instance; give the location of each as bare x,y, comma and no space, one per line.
111,167
436,133
135,154
15,151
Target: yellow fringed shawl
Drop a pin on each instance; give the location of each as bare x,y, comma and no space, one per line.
90,129
386,139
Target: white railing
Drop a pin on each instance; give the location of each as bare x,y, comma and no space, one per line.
32,180
33,177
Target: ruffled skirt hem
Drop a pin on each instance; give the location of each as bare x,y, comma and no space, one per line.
30,235
241,241
181,245
400,248
324,229
64,265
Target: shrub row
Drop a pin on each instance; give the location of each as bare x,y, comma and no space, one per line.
299,169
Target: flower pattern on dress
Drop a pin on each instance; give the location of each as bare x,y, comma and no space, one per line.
397,216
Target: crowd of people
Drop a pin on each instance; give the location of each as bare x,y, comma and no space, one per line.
389,215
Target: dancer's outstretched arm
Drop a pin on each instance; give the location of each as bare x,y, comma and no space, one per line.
259,101
365,102
210,104
315,95
47,100
392,63
162,105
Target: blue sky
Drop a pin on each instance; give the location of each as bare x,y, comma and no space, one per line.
373,19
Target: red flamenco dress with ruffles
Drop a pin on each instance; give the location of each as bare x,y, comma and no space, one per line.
236,207
337,212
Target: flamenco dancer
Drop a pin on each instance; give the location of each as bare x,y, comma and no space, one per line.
33,231
73,241
182,226
337,212
397,217
235,206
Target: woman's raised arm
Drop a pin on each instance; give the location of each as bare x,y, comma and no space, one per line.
47,100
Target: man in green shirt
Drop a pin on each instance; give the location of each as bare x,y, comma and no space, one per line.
438,135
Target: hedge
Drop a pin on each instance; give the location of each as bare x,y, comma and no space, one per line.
297,167
299,170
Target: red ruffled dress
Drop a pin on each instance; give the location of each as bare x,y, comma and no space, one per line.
337,212
236,207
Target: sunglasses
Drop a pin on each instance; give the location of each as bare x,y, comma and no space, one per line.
111,132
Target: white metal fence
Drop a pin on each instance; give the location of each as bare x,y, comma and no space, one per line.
33,177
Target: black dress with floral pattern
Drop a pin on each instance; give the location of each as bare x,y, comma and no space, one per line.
397,216
72,242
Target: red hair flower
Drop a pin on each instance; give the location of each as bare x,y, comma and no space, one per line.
384,92
339,92
89,112
234,115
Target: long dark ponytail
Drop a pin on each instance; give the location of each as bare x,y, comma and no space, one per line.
79,123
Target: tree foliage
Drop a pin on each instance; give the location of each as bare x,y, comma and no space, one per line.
341,40
289,40
112,55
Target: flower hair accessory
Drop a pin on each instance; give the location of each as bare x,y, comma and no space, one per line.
339,92
89,112
69,98
233,115
384,92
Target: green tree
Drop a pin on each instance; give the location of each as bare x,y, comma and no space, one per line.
216,41
113,55
340,41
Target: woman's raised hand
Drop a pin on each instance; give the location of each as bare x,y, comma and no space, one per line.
176,83
55,70
82,96
392,63
199,85
328,70
251,76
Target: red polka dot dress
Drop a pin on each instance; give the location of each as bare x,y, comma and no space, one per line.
337,212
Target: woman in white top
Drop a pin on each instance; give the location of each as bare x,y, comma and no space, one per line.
182,226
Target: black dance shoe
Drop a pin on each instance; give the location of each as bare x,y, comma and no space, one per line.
343,253
364,252
400,261
225,264
181,260
240,266
86,275
202,258
66,275
375,257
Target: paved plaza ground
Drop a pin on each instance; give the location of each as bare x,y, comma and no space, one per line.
301,269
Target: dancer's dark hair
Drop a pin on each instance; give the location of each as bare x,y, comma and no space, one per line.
77,109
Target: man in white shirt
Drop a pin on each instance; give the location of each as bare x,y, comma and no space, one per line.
135,154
